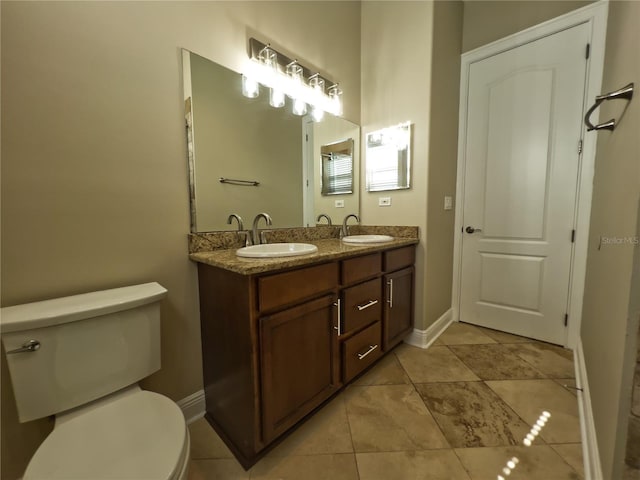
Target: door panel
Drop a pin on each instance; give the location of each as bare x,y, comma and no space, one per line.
511,281
524,121
516,176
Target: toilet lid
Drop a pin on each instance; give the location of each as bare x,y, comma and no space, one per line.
141,436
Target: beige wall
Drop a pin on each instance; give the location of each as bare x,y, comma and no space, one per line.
94,177
608,330
486,21
411,72
443,143
396,79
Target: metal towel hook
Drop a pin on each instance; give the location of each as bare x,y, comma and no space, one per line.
625,93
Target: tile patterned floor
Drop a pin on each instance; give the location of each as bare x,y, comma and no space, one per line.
458,410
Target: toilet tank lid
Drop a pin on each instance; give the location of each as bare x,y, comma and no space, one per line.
78,307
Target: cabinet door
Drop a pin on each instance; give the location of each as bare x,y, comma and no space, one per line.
398,310
299,352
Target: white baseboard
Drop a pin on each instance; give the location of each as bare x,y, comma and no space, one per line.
424,338
592,467
193,407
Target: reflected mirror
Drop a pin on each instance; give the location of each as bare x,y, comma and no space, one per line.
337,167
246,157
388,154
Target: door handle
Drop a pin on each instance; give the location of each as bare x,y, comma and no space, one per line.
30,346
390,301
470,229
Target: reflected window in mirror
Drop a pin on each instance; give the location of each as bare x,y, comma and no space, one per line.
388,158
337,168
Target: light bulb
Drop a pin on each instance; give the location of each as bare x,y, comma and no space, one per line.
334,99
317,114
249,87
276,98
299,107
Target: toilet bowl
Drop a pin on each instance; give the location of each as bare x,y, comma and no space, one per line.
91,351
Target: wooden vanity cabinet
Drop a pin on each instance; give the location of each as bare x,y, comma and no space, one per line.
275,346
398,282
298,357
361,313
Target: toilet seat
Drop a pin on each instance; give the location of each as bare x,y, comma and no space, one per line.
141,435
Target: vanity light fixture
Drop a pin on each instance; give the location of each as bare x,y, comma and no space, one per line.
249,87
287,77
294,72
268,58
317,84
334,97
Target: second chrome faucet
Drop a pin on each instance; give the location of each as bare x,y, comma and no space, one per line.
255,233
345,230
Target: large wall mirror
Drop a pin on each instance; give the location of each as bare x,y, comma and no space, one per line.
246,157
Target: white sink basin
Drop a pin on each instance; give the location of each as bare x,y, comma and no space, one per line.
357,239
271,250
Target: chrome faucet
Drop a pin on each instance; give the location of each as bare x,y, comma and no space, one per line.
325,216
238,219
345,230
254,230
244,236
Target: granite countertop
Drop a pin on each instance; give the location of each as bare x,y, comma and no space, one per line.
328,249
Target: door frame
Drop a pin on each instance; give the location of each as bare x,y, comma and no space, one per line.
596,16
308,173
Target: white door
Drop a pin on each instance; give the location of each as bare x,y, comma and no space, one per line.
524,121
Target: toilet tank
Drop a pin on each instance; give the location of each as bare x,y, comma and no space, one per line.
90,346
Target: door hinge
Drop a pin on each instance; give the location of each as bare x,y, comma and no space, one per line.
573,236
580,147
588,52
566,319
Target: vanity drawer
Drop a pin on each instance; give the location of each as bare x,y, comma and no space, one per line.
361,268
361,351
362,304
399,258
286,288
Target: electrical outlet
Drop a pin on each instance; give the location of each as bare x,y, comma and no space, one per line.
448,202
339,203
384,201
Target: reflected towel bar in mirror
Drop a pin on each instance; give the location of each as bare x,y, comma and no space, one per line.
625,93
246,183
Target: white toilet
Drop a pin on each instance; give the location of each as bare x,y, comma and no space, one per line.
79,358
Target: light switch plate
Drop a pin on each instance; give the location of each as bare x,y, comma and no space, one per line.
448,202
384,201
339,203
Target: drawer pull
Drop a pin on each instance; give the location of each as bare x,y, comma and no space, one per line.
367,305
371,349
339,327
